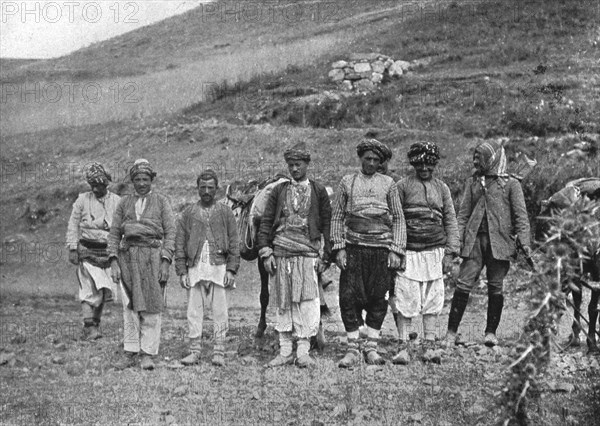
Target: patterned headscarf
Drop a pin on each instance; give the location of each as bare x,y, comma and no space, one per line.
96,174
423,152
493,158
378,148
142,166
298,152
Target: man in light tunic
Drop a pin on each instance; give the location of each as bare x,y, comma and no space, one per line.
369,238
432,244
87,236
296,219
207,257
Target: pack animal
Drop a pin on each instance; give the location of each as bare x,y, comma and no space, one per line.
588,265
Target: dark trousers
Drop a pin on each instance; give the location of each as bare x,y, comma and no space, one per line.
363,285
481,256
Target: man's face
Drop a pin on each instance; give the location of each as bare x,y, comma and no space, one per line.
297,169
142,183
383,167
99,189
207,190
424,171
477,161
370,162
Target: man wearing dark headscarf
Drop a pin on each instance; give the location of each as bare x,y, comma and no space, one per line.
492,209
87,236
141,245
369,238
296,220
431,244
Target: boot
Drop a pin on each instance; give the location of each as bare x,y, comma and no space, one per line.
494,313
457,309
218,358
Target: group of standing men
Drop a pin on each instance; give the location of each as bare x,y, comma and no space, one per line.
393,242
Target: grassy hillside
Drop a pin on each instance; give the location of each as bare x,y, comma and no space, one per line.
490,69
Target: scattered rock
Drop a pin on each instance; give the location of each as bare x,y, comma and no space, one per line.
378,67
417,417
433,356
170,419
180,391
376,77
395,70
18,339
60,360
364,85
249,360
336,74
75,369
372,369
362,67
5,358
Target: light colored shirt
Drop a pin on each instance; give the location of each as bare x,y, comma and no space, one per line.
204,271
91,218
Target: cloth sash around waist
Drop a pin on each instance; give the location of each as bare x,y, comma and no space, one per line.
369,225
424,230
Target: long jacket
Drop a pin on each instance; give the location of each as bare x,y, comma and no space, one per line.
319,216
504,204
192,231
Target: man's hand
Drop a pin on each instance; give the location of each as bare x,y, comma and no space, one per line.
340,259
321,266
184,281
395,261
163,272
229,279
115,271
527,251
73,257
269,263
447,263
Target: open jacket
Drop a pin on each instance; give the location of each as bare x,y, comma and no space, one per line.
192,232
506,216
319,216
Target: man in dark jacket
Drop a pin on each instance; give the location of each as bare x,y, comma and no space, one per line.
207,257
294,244
492,209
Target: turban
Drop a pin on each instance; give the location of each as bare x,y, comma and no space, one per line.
208,174
297,153
141,166
96,174
423,152
380,149
493,158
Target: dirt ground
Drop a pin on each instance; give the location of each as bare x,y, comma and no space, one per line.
50,376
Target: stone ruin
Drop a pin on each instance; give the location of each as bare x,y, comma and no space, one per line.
365,71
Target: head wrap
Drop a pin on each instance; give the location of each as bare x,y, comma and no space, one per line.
423,152
208,174
493,158
96,174
378,148
298,152
142,166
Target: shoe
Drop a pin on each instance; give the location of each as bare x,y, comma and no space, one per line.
573,341
371,355
93,333
401,358
306,361
127,360
146,362
350,360
450,340
191,359
433,355
280,361
218,359
490,340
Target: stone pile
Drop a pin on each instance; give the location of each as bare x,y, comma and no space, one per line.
365,71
